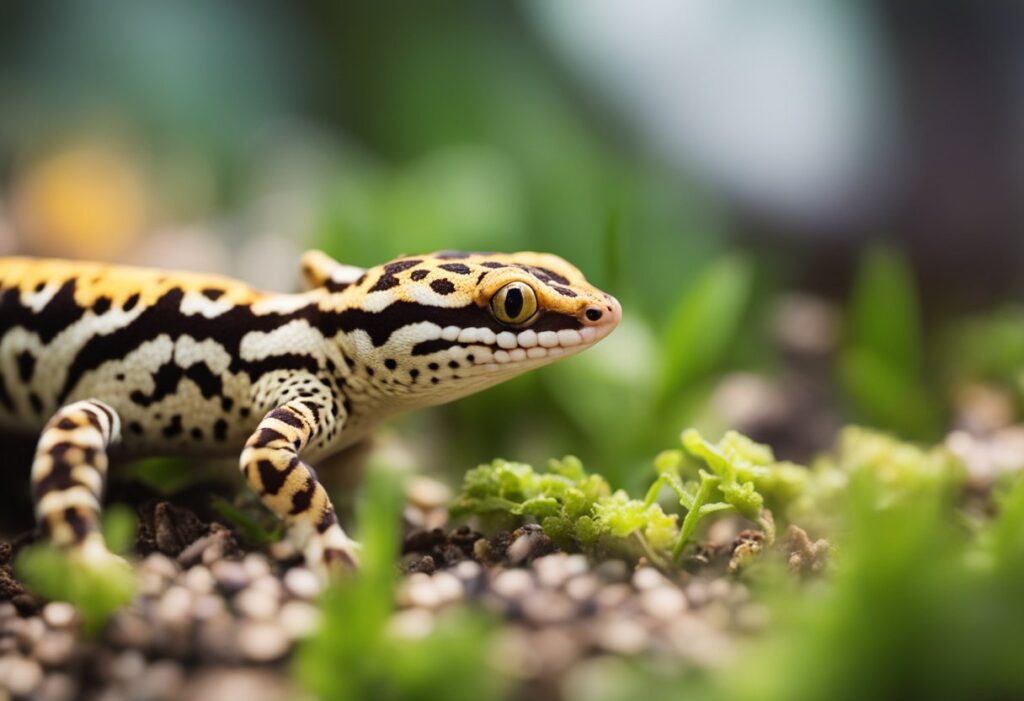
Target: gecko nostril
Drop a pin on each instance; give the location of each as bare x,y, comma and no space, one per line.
593,314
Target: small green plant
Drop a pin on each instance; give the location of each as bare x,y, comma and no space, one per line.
356,655
97,589
579,510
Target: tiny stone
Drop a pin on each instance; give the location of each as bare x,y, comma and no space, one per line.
262,642
199,579
663,602
530,543
161,565
412,624
7,610
217,639
467,569
57,687
28,631
20,676
174,606
582,587
552,570
7,645
513,584
256,604
427,493
129,629
127,666
622,636
161,680
612,571
697,593
419,591
55,648
269,585
299,619
546,607
60,614
207,606
283,551
718,589
448,587
613,595
648,578
230,576
301,583
256,565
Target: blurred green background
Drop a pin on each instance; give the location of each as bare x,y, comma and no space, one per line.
795,202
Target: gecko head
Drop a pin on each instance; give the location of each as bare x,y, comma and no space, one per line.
439,326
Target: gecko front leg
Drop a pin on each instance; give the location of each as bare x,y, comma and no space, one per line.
289,487
68,476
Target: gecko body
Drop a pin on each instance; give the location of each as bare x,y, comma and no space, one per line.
100,357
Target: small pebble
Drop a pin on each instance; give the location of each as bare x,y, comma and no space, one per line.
256,565
162,680
207,606
199,579
622,636
513,584
418,590
301,583
547,607
60,614
127,666
663,602
161,565
57,686
299,619
129,629
612,570
28,631
467,570
174,606
262,642
230,576
448,587
55,648
257,604
412,624
612,596
552,570
648,578
427,493
7,610
582,587
19,675
697,593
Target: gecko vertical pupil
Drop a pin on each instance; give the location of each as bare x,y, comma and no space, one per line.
513,302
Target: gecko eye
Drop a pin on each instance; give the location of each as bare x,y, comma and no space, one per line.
514,304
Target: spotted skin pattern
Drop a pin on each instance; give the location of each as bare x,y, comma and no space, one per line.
101,357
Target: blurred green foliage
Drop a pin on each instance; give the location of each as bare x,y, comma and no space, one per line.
882,364
356,655
97,588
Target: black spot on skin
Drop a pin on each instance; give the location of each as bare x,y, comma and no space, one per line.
335,286
26,365
226,403
40,286
413,374
220,430
174,428
452,255
360,280
101,305
135,427
459,268
213,294
265,437
553,275
453,364
327,519
471,358
390,363
288,417
60,312
197,433
564,291
418,274
481,276
36,402
434,380
80,526
370,371
272,478
386,282
493,264
304,497
168,376
67,424
119,377
433,366
442,286
244,412
401,265
130,303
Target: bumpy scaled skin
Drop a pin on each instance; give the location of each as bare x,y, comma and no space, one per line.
179,363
